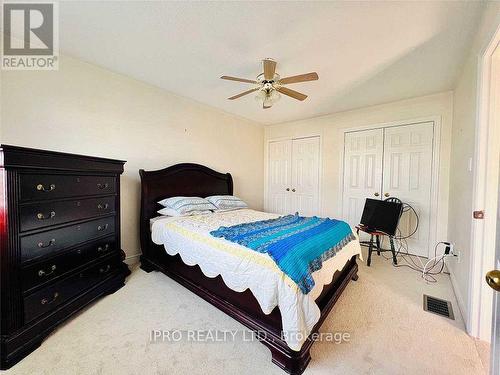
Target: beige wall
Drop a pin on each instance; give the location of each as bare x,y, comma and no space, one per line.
329,127
89,110
463,143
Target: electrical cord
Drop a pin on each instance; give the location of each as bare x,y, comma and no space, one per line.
406,208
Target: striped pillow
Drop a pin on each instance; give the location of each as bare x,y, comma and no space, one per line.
185,205
226,202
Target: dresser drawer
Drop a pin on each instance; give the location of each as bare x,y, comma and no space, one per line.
50,186
40,215
52,241
52,296
43,272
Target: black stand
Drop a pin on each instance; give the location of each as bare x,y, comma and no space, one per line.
376,243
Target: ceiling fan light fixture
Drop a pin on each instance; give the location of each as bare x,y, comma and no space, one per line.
274,96
270,86
261,95
268,102
268,96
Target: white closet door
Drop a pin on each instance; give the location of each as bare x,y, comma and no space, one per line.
363,154
305,176
279,177
408,176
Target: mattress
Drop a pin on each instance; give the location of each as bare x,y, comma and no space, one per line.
242,268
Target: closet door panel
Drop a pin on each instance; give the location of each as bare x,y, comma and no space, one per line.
408,176
363,154
279,177
305,176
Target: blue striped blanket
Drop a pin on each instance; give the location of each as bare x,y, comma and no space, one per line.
298,245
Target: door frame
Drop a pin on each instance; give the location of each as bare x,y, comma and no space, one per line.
485,180
436,143
320,166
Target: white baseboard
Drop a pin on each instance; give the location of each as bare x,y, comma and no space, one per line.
132,259
460,300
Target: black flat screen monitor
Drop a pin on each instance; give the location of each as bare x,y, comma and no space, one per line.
381,216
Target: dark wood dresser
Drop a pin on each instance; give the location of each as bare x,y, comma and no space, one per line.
59,241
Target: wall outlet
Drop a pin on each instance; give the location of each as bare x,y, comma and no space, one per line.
448,248
457,255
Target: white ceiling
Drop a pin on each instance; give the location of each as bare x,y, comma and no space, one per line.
365,53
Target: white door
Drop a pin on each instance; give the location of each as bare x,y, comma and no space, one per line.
293,176
363,154
495,338
407,175
279,177
305,176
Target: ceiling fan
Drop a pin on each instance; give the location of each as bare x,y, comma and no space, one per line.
270,84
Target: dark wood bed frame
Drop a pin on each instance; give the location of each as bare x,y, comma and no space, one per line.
198,180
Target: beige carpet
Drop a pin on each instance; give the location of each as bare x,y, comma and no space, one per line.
382,312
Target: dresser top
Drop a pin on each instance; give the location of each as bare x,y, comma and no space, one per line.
23,157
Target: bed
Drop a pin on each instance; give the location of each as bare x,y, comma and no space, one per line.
179,249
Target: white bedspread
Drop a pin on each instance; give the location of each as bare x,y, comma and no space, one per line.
242,268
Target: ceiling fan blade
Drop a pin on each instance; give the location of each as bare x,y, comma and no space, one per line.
313,76
292,93
269,68
238,79
244,93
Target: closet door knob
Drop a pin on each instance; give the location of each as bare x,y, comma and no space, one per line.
287,189
376,194
387,195
293,190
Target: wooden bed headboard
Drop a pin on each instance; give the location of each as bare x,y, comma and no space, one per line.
187,179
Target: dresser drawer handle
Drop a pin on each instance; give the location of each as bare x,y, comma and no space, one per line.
101,206
102,249
42,273
100,228
41,216
45,301
40,187
105,269
50,243
103,186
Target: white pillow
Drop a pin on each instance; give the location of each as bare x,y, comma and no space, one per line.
185,205
171,212
226,202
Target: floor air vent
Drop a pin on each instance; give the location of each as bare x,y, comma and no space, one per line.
438,306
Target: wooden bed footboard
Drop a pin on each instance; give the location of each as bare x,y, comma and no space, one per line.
198,180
